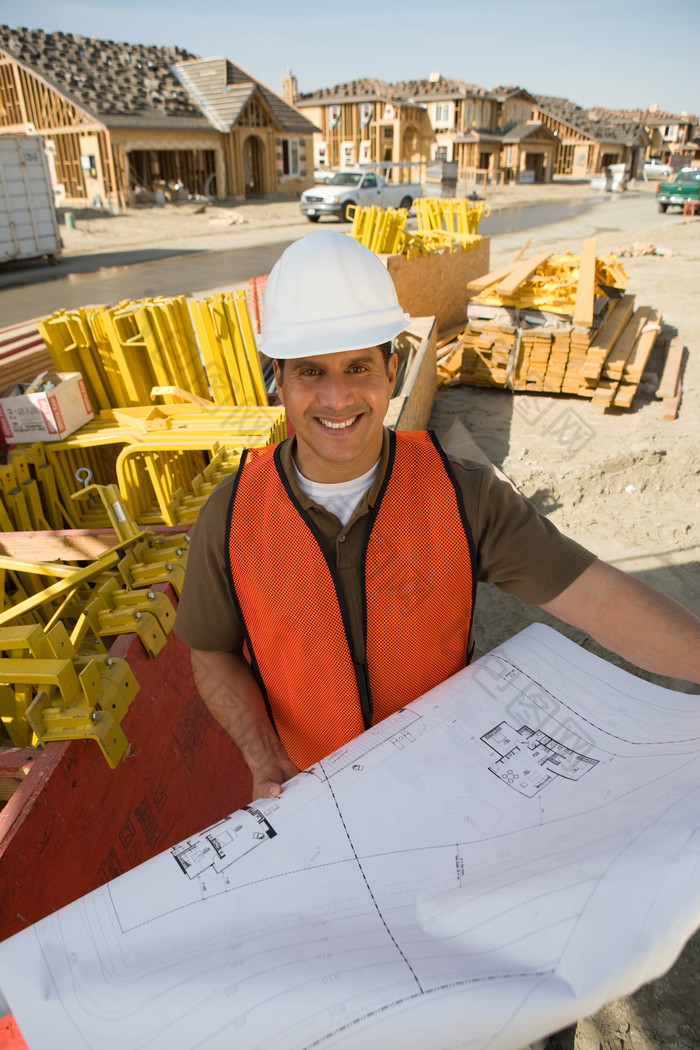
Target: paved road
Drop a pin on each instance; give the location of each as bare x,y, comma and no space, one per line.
35,289
126,275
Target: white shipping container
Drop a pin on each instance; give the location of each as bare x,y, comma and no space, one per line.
28,222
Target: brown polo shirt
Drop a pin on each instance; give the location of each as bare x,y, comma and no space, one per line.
516,549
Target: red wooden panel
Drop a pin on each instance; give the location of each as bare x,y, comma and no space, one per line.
74,823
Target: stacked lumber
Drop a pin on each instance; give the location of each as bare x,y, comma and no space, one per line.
23,354
561,324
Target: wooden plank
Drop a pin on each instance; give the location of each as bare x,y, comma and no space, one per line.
625,394
68,544
604,393
617,359
479,283
585,289
522,251
670,405
672,369
520,273
604,341
637,361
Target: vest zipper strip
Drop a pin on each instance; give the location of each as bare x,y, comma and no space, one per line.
374,511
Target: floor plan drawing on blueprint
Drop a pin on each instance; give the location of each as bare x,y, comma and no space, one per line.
530,759
493,861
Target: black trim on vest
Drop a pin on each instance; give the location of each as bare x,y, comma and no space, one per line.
465,525
360,669
368,715
253,660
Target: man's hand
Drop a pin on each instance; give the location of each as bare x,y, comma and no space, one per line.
269,778
229,690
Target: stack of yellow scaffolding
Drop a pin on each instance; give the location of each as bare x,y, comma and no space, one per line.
449,223
443,225
164,461
382,230
124,351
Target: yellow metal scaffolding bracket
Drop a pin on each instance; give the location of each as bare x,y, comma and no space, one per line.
47,688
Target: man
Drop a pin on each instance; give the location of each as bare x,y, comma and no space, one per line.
344,562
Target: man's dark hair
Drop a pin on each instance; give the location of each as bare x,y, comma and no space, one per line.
386,349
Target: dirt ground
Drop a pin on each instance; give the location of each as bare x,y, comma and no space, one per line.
626,483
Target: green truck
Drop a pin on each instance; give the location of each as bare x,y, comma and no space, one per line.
683,187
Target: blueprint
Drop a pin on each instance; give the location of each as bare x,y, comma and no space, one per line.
497,859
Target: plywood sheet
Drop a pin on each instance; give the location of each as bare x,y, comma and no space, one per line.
436,285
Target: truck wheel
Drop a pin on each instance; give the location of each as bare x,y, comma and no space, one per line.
313,218
406,203
663,207
345,213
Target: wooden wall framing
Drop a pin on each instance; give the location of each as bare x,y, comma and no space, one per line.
243,160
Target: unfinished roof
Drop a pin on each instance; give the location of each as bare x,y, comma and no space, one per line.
622,132
368,89
502,94
441,88
119,84
480,135
223,90
651,117
524,131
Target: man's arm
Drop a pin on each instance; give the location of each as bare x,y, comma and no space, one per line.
635,621
228,688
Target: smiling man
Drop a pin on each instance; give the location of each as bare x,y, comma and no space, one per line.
338,402
331,581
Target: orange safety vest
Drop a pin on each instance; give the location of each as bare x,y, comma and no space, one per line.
419,579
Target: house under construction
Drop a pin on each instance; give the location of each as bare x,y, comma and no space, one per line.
120,120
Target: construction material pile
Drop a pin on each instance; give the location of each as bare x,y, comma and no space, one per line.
556,324
444,224
124,351
91,518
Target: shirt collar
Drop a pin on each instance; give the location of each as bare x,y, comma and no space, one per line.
286,459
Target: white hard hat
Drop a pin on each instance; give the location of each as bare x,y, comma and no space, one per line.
328,293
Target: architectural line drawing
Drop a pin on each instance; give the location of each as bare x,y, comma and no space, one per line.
531,759
440,878
223,843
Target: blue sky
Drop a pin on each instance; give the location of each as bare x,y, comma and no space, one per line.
619,53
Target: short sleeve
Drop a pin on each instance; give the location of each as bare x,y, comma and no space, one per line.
517,548
207,617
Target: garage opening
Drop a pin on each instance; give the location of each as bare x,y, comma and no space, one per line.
151,170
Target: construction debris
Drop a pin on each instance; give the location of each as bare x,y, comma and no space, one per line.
638,248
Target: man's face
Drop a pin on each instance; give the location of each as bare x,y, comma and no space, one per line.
336,404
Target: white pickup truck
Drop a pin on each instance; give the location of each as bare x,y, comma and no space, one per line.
364,188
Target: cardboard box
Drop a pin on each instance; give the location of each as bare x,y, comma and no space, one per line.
49,415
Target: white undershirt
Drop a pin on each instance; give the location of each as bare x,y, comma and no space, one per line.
341,498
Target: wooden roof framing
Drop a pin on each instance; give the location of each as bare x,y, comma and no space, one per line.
40,103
